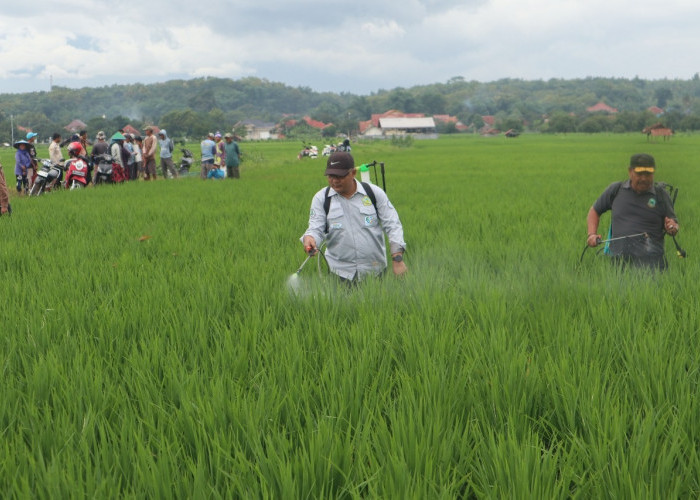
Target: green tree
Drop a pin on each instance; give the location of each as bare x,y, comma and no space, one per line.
432,103
691,122
596,123
447,128
630,121
560,122
510,123
325,112
402,100
187,123
663,95
202,102
329,131
36,122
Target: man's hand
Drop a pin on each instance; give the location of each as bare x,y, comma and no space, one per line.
593,240
399,268
671,226
310,245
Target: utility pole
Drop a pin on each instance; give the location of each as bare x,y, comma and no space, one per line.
12,129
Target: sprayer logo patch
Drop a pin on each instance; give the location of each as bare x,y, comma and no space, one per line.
370,220
366,201
337,225
313,212
651,203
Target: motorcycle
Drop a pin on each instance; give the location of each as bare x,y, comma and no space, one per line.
103,170
308,151
186,162
48,176
329,149
76,173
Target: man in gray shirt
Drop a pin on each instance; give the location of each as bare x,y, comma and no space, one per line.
353,225
166,154
641,214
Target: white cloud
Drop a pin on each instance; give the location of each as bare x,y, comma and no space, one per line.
332,45
383,30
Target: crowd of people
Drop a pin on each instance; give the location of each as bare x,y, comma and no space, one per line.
219,154
133,157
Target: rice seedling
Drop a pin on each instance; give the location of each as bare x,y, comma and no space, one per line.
151,346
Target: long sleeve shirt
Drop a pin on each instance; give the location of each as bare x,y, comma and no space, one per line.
355,240
55,154
4,194
150,146
22,162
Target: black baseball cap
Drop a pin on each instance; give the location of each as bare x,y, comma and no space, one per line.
339,163
642,162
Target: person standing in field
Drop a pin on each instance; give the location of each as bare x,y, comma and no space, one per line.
220,152
84,142
149,155
208,149
5,207
120,157
23,163
31,149
100,147
233,157
131,162
55,155
352,218
642,213
166,154
138,157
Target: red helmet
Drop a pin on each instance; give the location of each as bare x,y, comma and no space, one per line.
74,148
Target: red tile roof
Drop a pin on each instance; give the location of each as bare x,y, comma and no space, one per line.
601,106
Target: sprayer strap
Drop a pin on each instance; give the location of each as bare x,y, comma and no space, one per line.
327,200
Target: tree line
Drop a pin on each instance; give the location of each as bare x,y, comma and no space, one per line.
191,108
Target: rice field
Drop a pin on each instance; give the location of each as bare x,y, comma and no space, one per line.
150,347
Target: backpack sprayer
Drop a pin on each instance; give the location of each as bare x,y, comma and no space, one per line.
365,173
673,194
365,176
293,281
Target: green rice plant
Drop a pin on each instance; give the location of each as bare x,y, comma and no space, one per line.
151,347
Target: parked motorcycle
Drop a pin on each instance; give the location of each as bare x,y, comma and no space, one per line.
103,168
47,177
76,173
329,149
309,151
186,162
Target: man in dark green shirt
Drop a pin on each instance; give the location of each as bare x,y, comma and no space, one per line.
642,213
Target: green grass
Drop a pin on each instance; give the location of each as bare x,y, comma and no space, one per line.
181,366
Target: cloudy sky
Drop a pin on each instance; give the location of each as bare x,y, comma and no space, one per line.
340,46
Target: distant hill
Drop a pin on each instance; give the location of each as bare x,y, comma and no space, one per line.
206,102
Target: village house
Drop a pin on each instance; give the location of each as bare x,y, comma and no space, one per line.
601,107
393,123
75,126
257,130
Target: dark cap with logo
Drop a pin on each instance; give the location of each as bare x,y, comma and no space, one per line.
339,163
642,162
